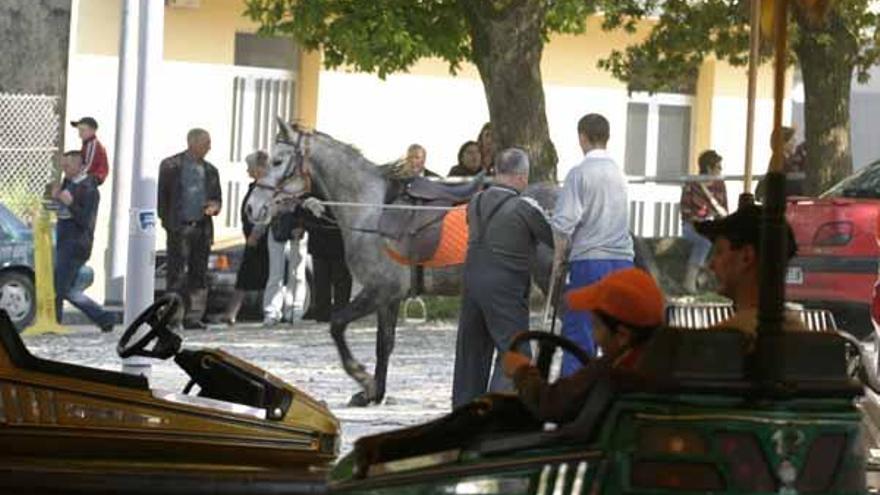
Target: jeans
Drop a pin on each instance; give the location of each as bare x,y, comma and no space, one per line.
66,270
188,249
700,246
577,326
280,291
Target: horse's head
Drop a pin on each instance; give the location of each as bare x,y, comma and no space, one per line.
288,177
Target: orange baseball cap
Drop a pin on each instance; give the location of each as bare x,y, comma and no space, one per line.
630,296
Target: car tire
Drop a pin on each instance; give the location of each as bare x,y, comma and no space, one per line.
19,298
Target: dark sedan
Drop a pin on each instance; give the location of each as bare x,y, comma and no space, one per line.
223,263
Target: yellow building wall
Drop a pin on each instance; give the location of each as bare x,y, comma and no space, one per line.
568,60
205,34
308,77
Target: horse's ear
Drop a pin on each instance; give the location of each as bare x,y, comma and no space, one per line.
285,130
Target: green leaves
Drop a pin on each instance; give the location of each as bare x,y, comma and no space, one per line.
386,36
689,31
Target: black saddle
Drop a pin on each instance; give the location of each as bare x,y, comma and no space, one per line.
455,192
415,234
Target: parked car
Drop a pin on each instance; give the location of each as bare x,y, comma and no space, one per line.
836,265
17,293
223,263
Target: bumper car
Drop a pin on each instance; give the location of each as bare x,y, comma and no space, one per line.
233,429
701,415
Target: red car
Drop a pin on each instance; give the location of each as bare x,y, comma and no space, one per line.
836,264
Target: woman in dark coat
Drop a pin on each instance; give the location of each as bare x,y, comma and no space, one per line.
254,268
331,280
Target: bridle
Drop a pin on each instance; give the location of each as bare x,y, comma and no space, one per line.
298,167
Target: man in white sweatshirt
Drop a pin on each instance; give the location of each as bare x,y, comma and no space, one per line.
591,227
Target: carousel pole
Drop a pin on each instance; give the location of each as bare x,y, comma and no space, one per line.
747,198
774,234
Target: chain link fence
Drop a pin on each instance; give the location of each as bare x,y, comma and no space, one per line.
29,133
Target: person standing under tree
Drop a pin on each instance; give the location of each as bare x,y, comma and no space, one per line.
591,227
503,230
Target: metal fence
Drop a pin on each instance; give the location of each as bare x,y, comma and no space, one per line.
29,133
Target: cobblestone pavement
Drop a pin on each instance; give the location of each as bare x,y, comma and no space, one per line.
420,376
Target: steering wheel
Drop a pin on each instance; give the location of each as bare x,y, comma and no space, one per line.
156,317
548,343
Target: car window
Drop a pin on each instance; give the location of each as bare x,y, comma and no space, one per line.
863,184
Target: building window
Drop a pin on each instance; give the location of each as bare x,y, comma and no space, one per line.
658,135
270,52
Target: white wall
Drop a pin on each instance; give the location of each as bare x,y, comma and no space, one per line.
381,118
192,95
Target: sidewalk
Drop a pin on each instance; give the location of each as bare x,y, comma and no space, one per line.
73,316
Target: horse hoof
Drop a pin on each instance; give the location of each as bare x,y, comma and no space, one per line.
359,400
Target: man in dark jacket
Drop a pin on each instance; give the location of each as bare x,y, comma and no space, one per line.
503,230
331,281
78,200
189,195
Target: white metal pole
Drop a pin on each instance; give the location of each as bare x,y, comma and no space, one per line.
142,227
123,154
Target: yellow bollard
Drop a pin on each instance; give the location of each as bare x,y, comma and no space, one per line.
44,322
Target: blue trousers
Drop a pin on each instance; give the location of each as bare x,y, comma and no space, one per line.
700,246
66,270
577,325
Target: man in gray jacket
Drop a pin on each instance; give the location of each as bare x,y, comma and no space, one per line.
503,229
591,227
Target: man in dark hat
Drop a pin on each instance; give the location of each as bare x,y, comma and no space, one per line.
736,241
93,152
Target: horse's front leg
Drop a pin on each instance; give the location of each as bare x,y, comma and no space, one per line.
362,305
386,334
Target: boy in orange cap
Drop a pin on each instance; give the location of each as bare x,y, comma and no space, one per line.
627,306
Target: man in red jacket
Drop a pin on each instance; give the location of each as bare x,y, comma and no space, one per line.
93,152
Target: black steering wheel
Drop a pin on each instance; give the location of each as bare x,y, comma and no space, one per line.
548,343
157,317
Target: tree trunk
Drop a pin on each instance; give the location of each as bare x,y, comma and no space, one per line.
826,55
507,45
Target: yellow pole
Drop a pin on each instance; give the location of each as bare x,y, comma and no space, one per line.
44,322
777,163
754,54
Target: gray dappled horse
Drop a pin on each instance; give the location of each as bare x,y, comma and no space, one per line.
306,161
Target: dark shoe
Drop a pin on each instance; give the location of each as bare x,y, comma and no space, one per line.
308,315
194,325
107,328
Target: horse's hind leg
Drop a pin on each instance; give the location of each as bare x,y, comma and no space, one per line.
385,337
362,305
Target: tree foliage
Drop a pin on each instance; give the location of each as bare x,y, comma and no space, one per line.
687,32
828,51
387,36
503,38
